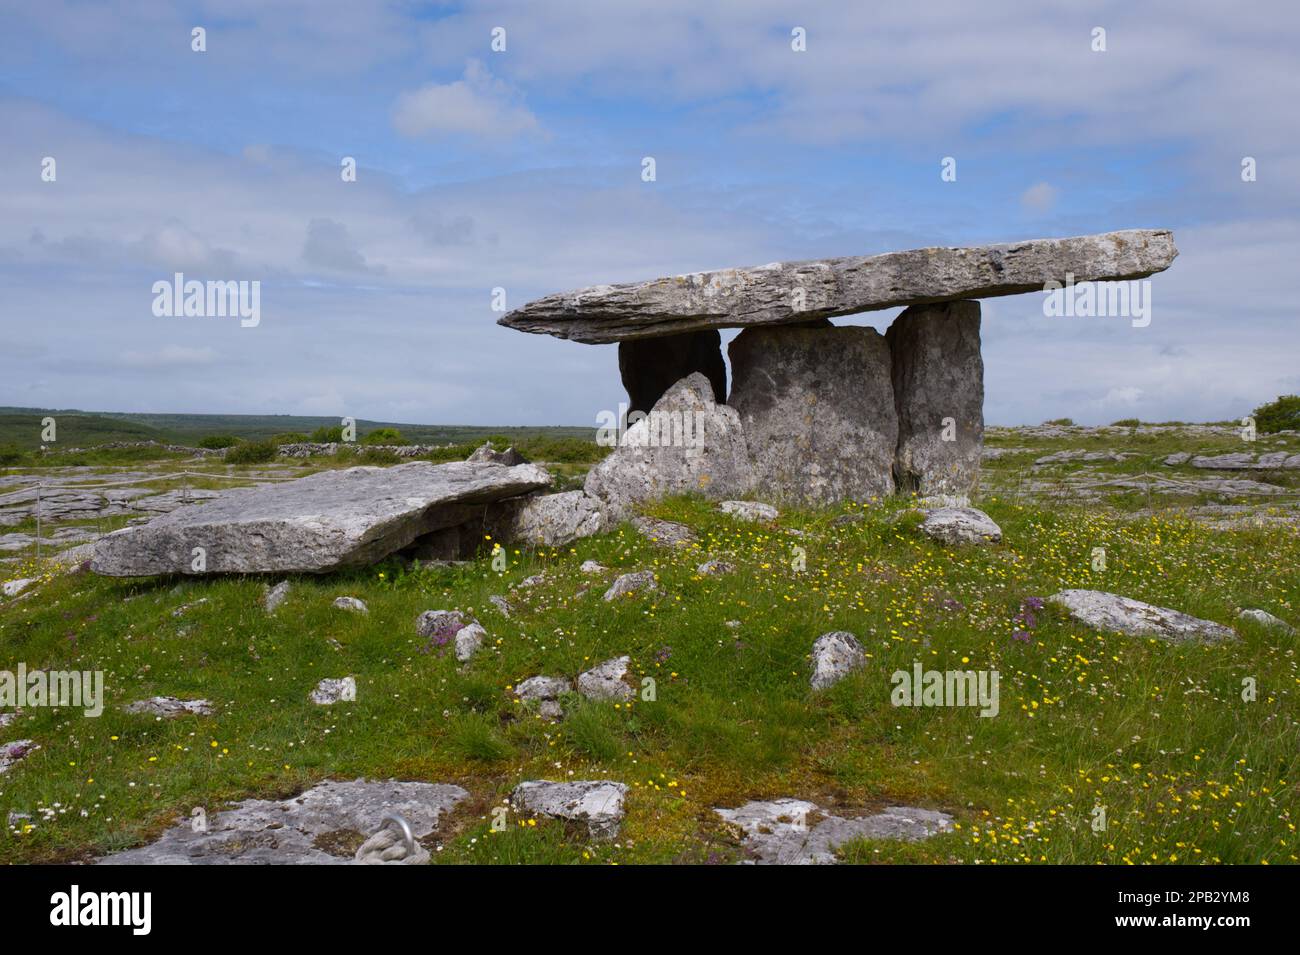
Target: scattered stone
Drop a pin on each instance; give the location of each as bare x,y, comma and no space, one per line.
639,581
749,510
835,655
276,596
330,691
468,640
960,525
323,522
501,604
487,455
797,832
938,378
711,568
663,533
169,707
597,803
1115,614
351,603
853,517
794,292
440,627
1245,461
7,718
687,444
536,580
549,520
15,751
1178,457
324,825
1264,618
592,567
651,366
605,681
13,588
1082,454
545,691
817,407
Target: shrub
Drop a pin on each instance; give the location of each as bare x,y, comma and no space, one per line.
11,454
384,436
216,442
1280,415
289,437
251,452
328,434
1063,422
1125,423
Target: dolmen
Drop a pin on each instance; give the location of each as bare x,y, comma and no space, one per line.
817,412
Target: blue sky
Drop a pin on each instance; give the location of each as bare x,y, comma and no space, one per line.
521,169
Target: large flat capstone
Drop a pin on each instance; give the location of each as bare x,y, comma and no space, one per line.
319,523
785,292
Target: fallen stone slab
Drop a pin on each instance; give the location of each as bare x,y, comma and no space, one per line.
1116,614
1266,619
798,832
786,292
169,707
323,522
627,585
749,510
605,681
596,803
817,408
960,525
323,826
835,655
687,444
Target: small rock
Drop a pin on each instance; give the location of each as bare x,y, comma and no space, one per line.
329,691
501,604
1266,619
750,510
486,454
13,588
633,583
605,681
960,525
352,604
835,656
797,832
592,567
550,710
186,608
1180,457
712,568
853,517
439,627
1116,614
543,688
169,707
663,533
598,803
276,596
468,641
11,753
534,581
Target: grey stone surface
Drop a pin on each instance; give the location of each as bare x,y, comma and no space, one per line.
663,533
817,408
549,520
650,366
749,510
12,588
687,444
1246,461
169,707
1115,614
442,627
1266,619
319,523
714,568
468,640
592,567
276,596
543,688
960,525
834,656
626,585
605,681
938,378
596,803
786,292
14,752
330,691
319,827
798,832
486,454
351,604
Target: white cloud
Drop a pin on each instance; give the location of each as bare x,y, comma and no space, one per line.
1039,197
169,356
477,105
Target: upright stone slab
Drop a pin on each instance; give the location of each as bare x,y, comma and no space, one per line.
938,377
650,366
818,411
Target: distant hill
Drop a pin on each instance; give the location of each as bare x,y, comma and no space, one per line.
81,429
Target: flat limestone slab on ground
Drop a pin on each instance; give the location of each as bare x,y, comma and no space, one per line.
319,523
800,291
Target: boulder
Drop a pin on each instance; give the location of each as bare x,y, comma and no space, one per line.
650,366
323,826
1115,614
605,681
1266,619
798,832
548,520
276,596
486,454
627,585
792,292
331,691
960,525
687,444
323,522
597,803
817,408
835,655
938,378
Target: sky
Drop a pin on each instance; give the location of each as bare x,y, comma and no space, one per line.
481,168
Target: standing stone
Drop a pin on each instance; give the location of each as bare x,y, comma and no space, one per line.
939,392
818,412
687,444
650,366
